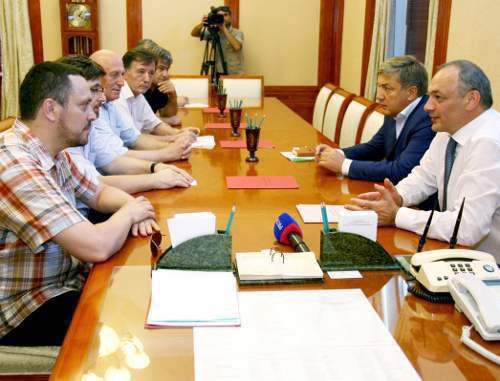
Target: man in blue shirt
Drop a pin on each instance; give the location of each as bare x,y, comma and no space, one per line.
404,136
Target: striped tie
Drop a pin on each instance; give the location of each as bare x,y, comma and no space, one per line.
448,165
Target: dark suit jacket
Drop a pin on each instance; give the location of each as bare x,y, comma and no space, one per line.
383,156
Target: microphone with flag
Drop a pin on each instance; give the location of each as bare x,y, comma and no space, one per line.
287,231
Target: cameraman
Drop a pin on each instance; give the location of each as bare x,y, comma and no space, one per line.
231,40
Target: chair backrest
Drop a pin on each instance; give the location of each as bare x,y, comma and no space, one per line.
250,88
7,123
320,106
334,113
370,127
351,122
194,87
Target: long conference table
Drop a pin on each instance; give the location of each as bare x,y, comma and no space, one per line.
114,303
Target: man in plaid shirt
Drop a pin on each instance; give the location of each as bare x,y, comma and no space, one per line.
45,243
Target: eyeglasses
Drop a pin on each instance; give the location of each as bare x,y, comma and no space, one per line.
273,251
96,89
154,245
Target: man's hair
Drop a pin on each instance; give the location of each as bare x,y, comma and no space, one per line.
472,77
409,70
223,8
138,54
45,80
90,69
159,52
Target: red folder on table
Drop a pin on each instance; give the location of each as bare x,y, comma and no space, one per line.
223,125
213,110
261,182
243,144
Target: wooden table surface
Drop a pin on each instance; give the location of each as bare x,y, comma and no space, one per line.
117,291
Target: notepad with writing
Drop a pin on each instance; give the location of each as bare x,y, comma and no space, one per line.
226,126
261,182
243,144
278,267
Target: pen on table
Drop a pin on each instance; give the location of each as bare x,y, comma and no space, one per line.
230,221
324,217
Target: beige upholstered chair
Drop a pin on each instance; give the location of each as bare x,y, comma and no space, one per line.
250,88
352,118
194,87
334,113
372,124
320,106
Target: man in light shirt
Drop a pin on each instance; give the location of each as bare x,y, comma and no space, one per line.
403,138
463,162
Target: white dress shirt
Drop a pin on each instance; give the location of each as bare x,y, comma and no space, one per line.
136,110
475,176
400,120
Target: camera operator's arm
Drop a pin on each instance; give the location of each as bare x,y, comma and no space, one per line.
196,32
235,44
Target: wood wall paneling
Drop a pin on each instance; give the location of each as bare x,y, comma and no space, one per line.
441,47
235,11
134,22
367,42
36,29
330,41
298,98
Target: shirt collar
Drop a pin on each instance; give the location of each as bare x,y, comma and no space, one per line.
127,92
405,113
42,153
465,132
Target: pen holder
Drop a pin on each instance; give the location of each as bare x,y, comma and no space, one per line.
221,104
349,251
235,117
252,138
205,253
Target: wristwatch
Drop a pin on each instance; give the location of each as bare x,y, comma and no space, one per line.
152,167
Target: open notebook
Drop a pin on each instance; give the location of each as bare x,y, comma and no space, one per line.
276,267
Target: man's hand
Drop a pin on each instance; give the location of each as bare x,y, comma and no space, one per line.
171,176
180,149
192,130
166,87
329,158
385,201
145,228
139,209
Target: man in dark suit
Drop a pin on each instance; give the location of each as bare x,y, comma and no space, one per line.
403,138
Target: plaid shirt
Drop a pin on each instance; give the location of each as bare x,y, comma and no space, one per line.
37,201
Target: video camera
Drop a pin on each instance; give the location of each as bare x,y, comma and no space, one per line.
214,18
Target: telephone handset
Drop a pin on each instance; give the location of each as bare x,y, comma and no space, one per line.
434,268
479,301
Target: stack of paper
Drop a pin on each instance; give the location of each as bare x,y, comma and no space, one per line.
207,142
184,226
266,266
311,213
193,298
292,157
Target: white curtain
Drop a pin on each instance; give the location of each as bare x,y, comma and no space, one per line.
380,40
432,22
17,52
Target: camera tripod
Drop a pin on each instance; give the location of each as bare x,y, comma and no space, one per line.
213,54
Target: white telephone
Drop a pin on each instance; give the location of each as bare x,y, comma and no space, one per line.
479,300
434,268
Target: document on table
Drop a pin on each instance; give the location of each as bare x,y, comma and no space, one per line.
193,298
223,125
207,142
302,335
243,144
261,182
311,213
196,105
296,159
184,226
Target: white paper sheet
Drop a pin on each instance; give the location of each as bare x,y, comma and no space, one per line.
311,213
195,105
301,335
354,274
292,157
191,298
206,142
184,226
